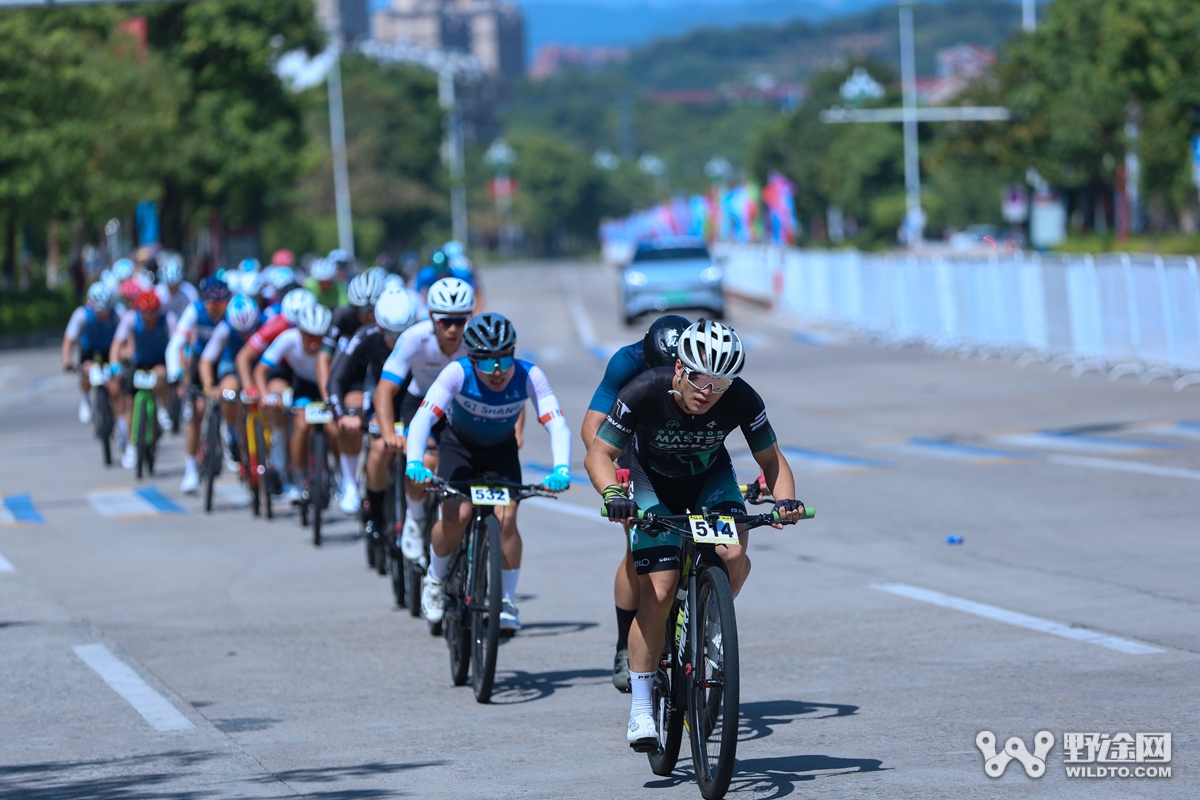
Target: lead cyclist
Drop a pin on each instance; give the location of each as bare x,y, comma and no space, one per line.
678,418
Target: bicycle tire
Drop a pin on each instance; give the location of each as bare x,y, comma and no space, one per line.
399,576
416,572
264,469
485,621
666,698
397,561
713,688
139,427
316,494
102,414
152,444
456,622
209,480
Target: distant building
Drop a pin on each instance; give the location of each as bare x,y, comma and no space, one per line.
957,67
492,31
551,58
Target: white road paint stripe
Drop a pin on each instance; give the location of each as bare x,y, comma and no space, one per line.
6,565
6,516
1016,618
581,318
155,708
1128,466
233,493
122,504
567,508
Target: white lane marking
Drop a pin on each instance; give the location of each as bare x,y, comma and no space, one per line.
1016,618
567,508
122,504
1128,466
6,516
233,493
6,565
155,708
579,315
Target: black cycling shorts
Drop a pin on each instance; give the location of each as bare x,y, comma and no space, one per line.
460,462
304,389
282,371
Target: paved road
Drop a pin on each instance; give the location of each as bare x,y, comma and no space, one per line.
278,669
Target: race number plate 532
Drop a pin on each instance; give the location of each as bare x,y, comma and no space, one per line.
489,496
703,532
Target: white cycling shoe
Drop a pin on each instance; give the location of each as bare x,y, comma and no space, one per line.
641,733
350,502
433,604
85,411
129,460
411,543
164,420
510,620
191,481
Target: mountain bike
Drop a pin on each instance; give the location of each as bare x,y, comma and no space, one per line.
256,454
144,429
103,419
394,512
697,682
211,451
317,489
471,622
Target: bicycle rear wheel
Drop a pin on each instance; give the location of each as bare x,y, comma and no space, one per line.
264,468
485,608
713,696
141,427
103,416
316,494
668,701
399,565
456,623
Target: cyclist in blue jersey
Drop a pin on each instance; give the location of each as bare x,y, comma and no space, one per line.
93,326
141,339
657,349
480,398
439,268
192,333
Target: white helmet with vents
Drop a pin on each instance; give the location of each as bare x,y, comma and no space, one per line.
712,349
314,320
451,296
395,312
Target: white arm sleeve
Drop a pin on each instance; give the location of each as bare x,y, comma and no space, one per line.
432,409
75,325
397,367
179,339
216,343
550,416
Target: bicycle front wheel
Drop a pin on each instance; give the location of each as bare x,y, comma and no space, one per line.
712,708
486,599
667,701
456,622
264,468
317,458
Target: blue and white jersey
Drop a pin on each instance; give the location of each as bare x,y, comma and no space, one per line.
225,343
481,416
193,330
149,346
94,335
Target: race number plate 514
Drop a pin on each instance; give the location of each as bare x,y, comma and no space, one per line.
489,496
704,532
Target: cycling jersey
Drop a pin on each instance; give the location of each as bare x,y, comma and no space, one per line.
331,297
178,302
94,335
418,355
192,332
269,332
672,443
223,347
363,355
483,418
428,276
345,323
625,365
288,349
149,345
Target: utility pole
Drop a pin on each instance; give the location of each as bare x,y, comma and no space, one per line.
914,221
448,97
337,138
1028,15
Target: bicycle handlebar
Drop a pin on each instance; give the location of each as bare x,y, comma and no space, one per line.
754,521
524,490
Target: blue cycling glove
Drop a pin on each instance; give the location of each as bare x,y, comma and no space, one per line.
559,479
417,472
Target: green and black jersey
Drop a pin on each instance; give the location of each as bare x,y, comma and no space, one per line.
670,442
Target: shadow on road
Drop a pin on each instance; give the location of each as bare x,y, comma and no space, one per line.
539,630
141,778
244,724
514,687
759,720
297,778
770,778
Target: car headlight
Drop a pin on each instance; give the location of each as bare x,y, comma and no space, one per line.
635,278
711,275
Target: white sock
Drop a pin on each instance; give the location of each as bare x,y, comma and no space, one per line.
189,463
279,450
123,426
508,580
438,564
416,511
85,396
641,683
349,469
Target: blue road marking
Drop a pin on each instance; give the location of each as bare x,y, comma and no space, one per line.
157,499
21,508
832,460
941,448
1084,440
804,337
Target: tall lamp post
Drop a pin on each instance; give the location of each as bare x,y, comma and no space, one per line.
337,138
500,157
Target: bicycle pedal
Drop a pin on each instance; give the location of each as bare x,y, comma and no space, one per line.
644,746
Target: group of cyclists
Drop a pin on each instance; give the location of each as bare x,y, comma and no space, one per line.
435,377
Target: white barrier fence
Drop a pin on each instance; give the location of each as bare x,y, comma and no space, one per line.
1117,313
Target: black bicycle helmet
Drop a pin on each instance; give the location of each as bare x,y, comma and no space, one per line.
489,334
662,340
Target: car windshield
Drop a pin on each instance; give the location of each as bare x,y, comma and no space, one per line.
670,254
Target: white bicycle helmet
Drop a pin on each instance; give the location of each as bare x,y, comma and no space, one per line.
249,265
395,312
451,296
122,268
100,297
282,278
171,271
314,320
323,269
393,283
712,349
296,301
242,313
364,290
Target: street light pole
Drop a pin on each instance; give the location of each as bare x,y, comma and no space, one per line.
448,96
915,218
337,138
1029,15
